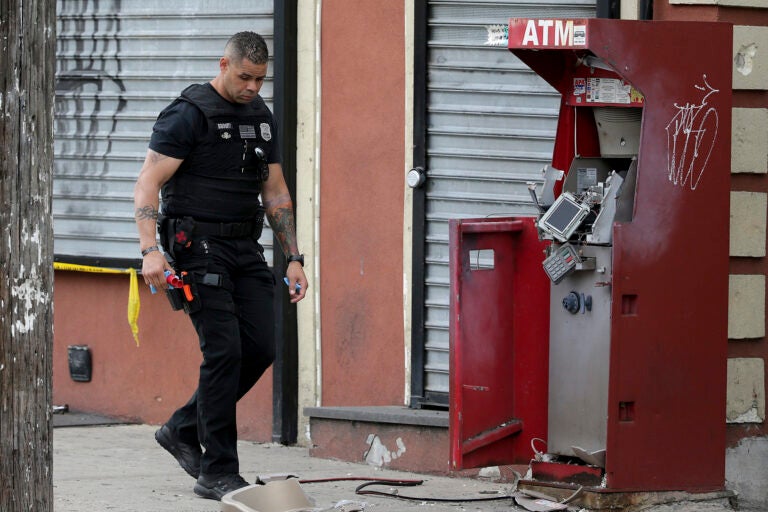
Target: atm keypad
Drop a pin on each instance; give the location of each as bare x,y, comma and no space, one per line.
561,263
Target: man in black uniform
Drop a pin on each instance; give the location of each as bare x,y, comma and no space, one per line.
213,152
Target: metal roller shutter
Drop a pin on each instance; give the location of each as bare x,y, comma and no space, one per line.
118,64
490,129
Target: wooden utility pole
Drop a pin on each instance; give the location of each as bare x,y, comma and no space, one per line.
27,60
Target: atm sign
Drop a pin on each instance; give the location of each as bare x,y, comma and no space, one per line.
547,33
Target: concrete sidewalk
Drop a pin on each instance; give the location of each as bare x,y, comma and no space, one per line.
121,468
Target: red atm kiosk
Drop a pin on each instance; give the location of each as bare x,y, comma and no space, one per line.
592,346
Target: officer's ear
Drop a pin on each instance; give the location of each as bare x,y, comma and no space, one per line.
223,64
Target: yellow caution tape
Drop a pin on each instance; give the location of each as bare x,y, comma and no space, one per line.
133,304
133,291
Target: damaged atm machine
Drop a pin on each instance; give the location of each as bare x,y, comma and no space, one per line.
591,346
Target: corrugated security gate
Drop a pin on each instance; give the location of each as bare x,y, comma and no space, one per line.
490,129
118,64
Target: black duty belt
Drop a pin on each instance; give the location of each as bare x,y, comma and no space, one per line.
225,229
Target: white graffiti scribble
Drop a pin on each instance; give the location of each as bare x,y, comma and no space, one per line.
691,136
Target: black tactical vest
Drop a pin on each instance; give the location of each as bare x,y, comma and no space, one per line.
220,180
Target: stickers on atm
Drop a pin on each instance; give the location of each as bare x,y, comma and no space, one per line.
579,86
579,35
608,90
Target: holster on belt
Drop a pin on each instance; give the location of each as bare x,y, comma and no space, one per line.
258,222
175,297
186,297
176,233
189,288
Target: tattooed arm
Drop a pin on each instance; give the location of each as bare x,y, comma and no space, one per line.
157,169
277,202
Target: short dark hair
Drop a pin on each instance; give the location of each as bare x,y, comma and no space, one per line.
247,45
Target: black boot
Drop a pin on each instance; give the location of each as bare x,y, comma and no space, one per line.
215,486
187,455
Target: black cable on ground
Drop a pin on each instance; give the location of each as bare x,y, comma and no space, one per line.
357,478
361,489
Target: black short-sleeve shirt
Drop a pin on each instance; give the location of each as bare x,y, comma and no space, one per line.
181,124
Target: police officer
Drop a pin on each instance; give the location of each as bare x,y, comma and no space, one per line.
213,153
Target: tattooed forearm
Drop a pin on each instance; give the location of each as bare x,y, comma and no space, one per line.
282,222
147,212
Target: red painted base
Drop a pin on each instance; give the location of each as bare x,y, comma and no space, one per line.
579,474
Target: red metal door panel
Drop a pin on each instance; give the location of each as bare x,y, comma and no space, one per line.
499,325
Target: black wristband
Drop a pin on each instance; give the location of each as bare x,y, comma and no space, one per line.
296,257
149,250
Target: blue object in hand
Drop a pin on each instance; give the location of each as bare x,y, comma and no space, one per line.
288,283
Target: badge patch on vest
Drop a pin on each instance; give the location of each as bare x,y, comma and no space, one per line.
225,130
266,133
247,131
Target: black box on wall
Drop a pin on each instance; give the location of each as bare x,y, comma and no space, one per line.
79,362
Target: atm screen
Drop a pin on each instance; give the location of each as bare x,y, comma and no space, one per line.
564,217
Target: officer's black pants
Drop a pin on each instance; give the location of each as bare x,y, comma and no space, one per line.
236,329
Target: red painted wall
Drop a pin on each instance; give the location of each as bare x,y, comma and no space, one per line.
144,383
361,202
739,182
